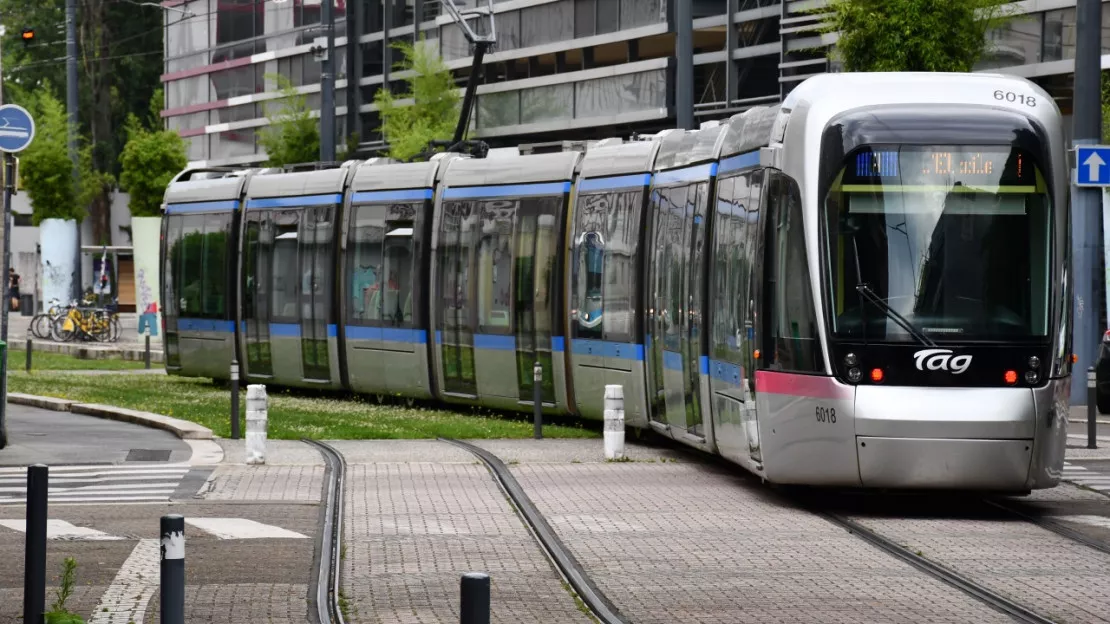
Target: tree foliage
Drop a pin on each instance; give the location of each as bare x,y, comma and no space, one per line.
434,111
914,35
293,135
46,169
150,159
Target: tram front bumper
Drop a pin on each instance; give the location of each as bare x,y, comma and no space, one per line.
955,438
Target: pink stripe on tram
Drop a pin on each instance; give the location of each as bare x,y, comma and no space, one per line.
812,386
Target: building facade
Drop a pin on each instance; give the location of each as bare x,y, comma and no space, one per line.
561,69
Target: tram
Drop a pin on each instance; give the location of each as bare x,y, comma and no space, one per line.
866,286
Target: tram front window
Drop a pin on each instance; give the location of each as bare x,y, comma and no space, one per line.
955,239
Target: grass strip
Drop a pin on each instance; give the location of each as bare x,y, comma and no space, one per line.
292,414
45,360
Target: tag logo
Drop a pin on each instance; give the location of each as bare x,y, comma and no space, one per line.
941,359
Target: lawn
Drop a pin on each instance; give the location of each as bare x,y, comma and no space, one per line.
44,360
292,415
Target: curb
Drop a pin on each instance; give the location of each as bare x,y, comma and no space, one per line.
181,428
86,352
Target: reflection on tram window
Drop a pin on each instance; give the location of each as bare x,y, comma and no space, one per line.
380,265
495,264
284,265
197,263
954,239
604,284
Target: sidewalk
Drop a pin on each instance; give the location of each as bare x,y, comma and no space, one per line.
420,514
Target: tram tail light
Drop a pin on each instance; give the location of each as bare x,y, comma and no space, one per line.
877,375
1010,377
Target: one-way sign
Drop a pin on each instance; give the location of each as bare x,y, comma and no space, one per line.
1092,165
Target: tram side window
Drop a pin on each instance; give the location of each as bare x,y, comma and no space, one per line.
380,257
589,265
455,255
793,318
198,260
495,265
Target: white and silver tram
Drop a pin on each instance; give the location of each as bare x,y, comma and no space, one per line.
865,286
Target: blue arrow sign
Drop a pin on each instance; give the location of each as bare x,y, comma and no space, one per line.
1092,165
17,128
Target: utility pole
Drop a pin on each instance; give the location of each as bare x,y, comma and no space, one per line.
684,67
327,86
1086,205
71,113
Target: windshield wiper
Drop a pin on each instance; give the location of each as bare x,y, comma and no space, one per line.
867,293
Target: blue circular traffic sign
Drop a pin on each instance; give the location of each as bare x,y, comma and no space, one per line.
17,128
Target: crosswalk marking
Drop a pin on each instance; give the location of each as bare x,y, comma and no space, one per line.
1097,521
1088,478
219,528
62,530
105,483
241,528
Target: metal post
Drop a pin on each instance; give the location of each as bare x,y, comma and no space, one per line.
34,564
474,602
1092,409
28,355
173,569
684,68
1086,207
234,399
9,187
537,400
732,76
146,349
327,87
71,113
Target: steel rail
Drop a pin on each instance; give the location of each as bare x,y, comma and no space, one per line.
326,583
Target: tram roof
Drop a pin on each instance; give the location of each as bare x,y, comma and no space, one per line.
295,184
552,167
205,185
614,158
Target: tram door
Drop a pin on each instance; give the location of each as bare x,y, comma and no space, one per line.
675,319
534,285
317,223
455,268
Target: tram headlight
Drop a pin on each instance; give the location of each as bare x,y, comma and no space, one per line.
1034,362
1031,377
851,360
854,375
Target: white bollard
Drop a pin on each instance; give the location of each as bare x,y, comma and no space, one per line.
614,422
256,424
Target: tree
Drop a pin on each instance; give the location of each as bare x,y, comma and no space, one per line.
914,35
150,159
46,169
293,136
434,111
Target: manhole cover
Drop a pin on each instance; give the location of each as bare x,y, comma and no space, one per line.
137,455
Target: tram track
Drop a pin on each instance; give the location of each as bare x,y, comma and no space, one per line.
560,556
325,591
942,573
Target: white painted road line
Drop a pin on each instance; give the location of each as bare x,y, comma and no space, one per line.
136,581
123,484
1098,521
62,530
1080,475
241,528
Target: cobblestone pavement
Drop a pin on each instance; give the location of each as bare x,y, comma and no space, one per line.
1052,575
419,514
681,541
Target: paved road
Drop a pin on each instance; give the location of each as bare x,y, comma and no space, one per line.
43,436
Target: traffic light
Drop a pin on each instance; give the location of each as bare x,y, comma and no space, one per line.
28,35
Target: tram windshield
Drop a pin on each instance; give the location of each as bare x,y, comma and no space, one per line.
955,239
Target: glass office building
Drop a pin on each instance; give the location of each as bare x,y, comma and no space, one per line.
561,69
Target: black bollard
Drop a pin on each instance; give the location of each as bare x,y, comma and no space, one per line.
146,354
34,565
474,603
234,399
173,569
28,355
537,401
1092,408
